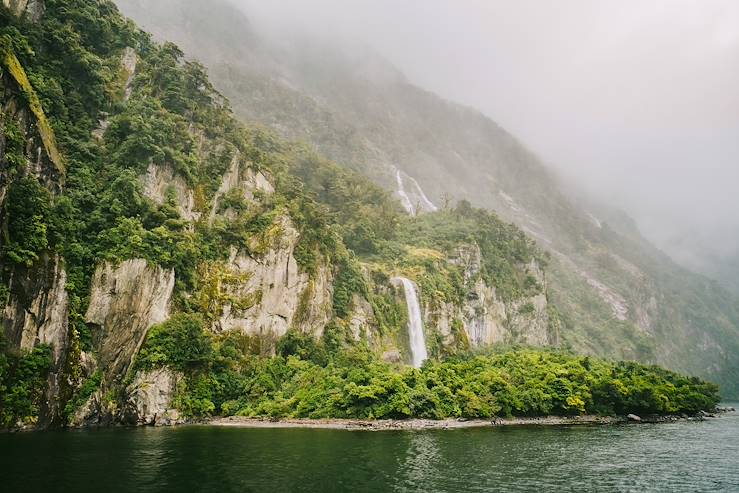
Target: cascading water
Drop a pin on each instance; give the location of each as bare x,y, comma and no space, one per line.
415,323
415,192
424,200
404,198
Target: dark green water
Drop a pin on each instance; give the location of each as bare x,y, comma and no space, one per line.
686,456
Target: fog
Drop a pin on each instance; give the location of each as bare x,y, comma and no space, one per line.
637,101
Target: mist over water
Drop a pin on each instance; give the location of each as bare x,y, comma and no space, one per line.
635,102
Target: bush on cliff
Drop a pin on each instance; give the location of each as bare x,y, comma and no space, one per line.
305,380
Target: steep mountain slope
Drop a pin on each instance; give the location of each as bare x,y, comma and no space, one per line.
155,252
704,258
615,294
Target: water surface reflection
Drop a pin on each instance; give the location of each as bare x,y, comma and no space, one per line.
689,457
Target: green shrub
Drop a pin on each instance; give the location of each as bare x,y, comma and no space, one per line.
179,343
304,346
26,210
22,384
83,394
348,282
308,380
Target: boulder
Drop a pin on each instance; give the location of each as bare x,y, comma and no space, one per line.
392,356
150,398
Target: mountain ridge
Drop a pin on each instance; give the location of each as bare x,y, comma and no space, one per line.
180,237
623,295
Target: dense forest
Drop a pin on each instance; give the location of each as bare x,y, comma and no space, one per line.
92,108
617,295
328,379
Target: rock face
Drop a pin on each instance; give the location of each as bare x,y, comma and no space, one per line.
285,297
150,398
18,7
159,180
487,319
362,318
272,295
125,301
128,63
242,178
392,356
31,9
35,314
528,319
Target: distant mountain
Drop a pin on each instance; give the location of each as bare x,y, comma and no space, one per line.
160,259
709,258
617,294
162,262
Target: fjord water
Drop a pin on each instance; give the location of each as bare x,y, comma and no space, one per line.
675,457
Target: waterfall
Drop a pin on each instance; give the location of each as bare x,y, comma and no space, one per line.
424,200
415,323
423,204
404,198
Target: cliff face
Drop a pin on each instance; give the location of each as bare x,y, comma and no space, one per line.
35,301
619,296
485,317
130,196
125,301
149,400
278,295
31,9
36,314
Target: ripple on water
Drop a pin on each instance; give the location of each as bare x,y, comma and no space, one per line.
676,457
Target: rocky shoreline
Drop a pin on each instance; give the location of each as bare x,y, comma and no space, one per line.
407,424
173,420
446,424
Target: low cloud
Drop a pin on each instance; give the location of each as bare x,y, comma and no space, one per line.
636,100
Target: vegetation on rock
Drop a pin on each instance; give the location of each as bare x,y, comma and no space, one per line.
309,379
23,378
172,118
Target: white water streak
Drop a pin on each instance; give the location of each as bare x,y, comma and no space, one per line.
425,200
404,198
415,323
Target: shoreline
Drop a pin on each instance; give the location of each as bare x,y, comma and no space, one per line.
419,424
413,424
454,424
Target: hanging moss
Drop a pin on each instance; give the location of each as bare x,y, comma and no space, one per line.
14,67
216,285
303,311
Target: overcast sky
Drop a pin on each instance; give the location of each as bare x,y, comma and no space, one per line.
636,99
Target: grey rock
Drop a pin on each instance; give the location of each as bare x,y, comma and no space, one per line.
392,356
485,317
287,297
150,398
125,301
36,314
